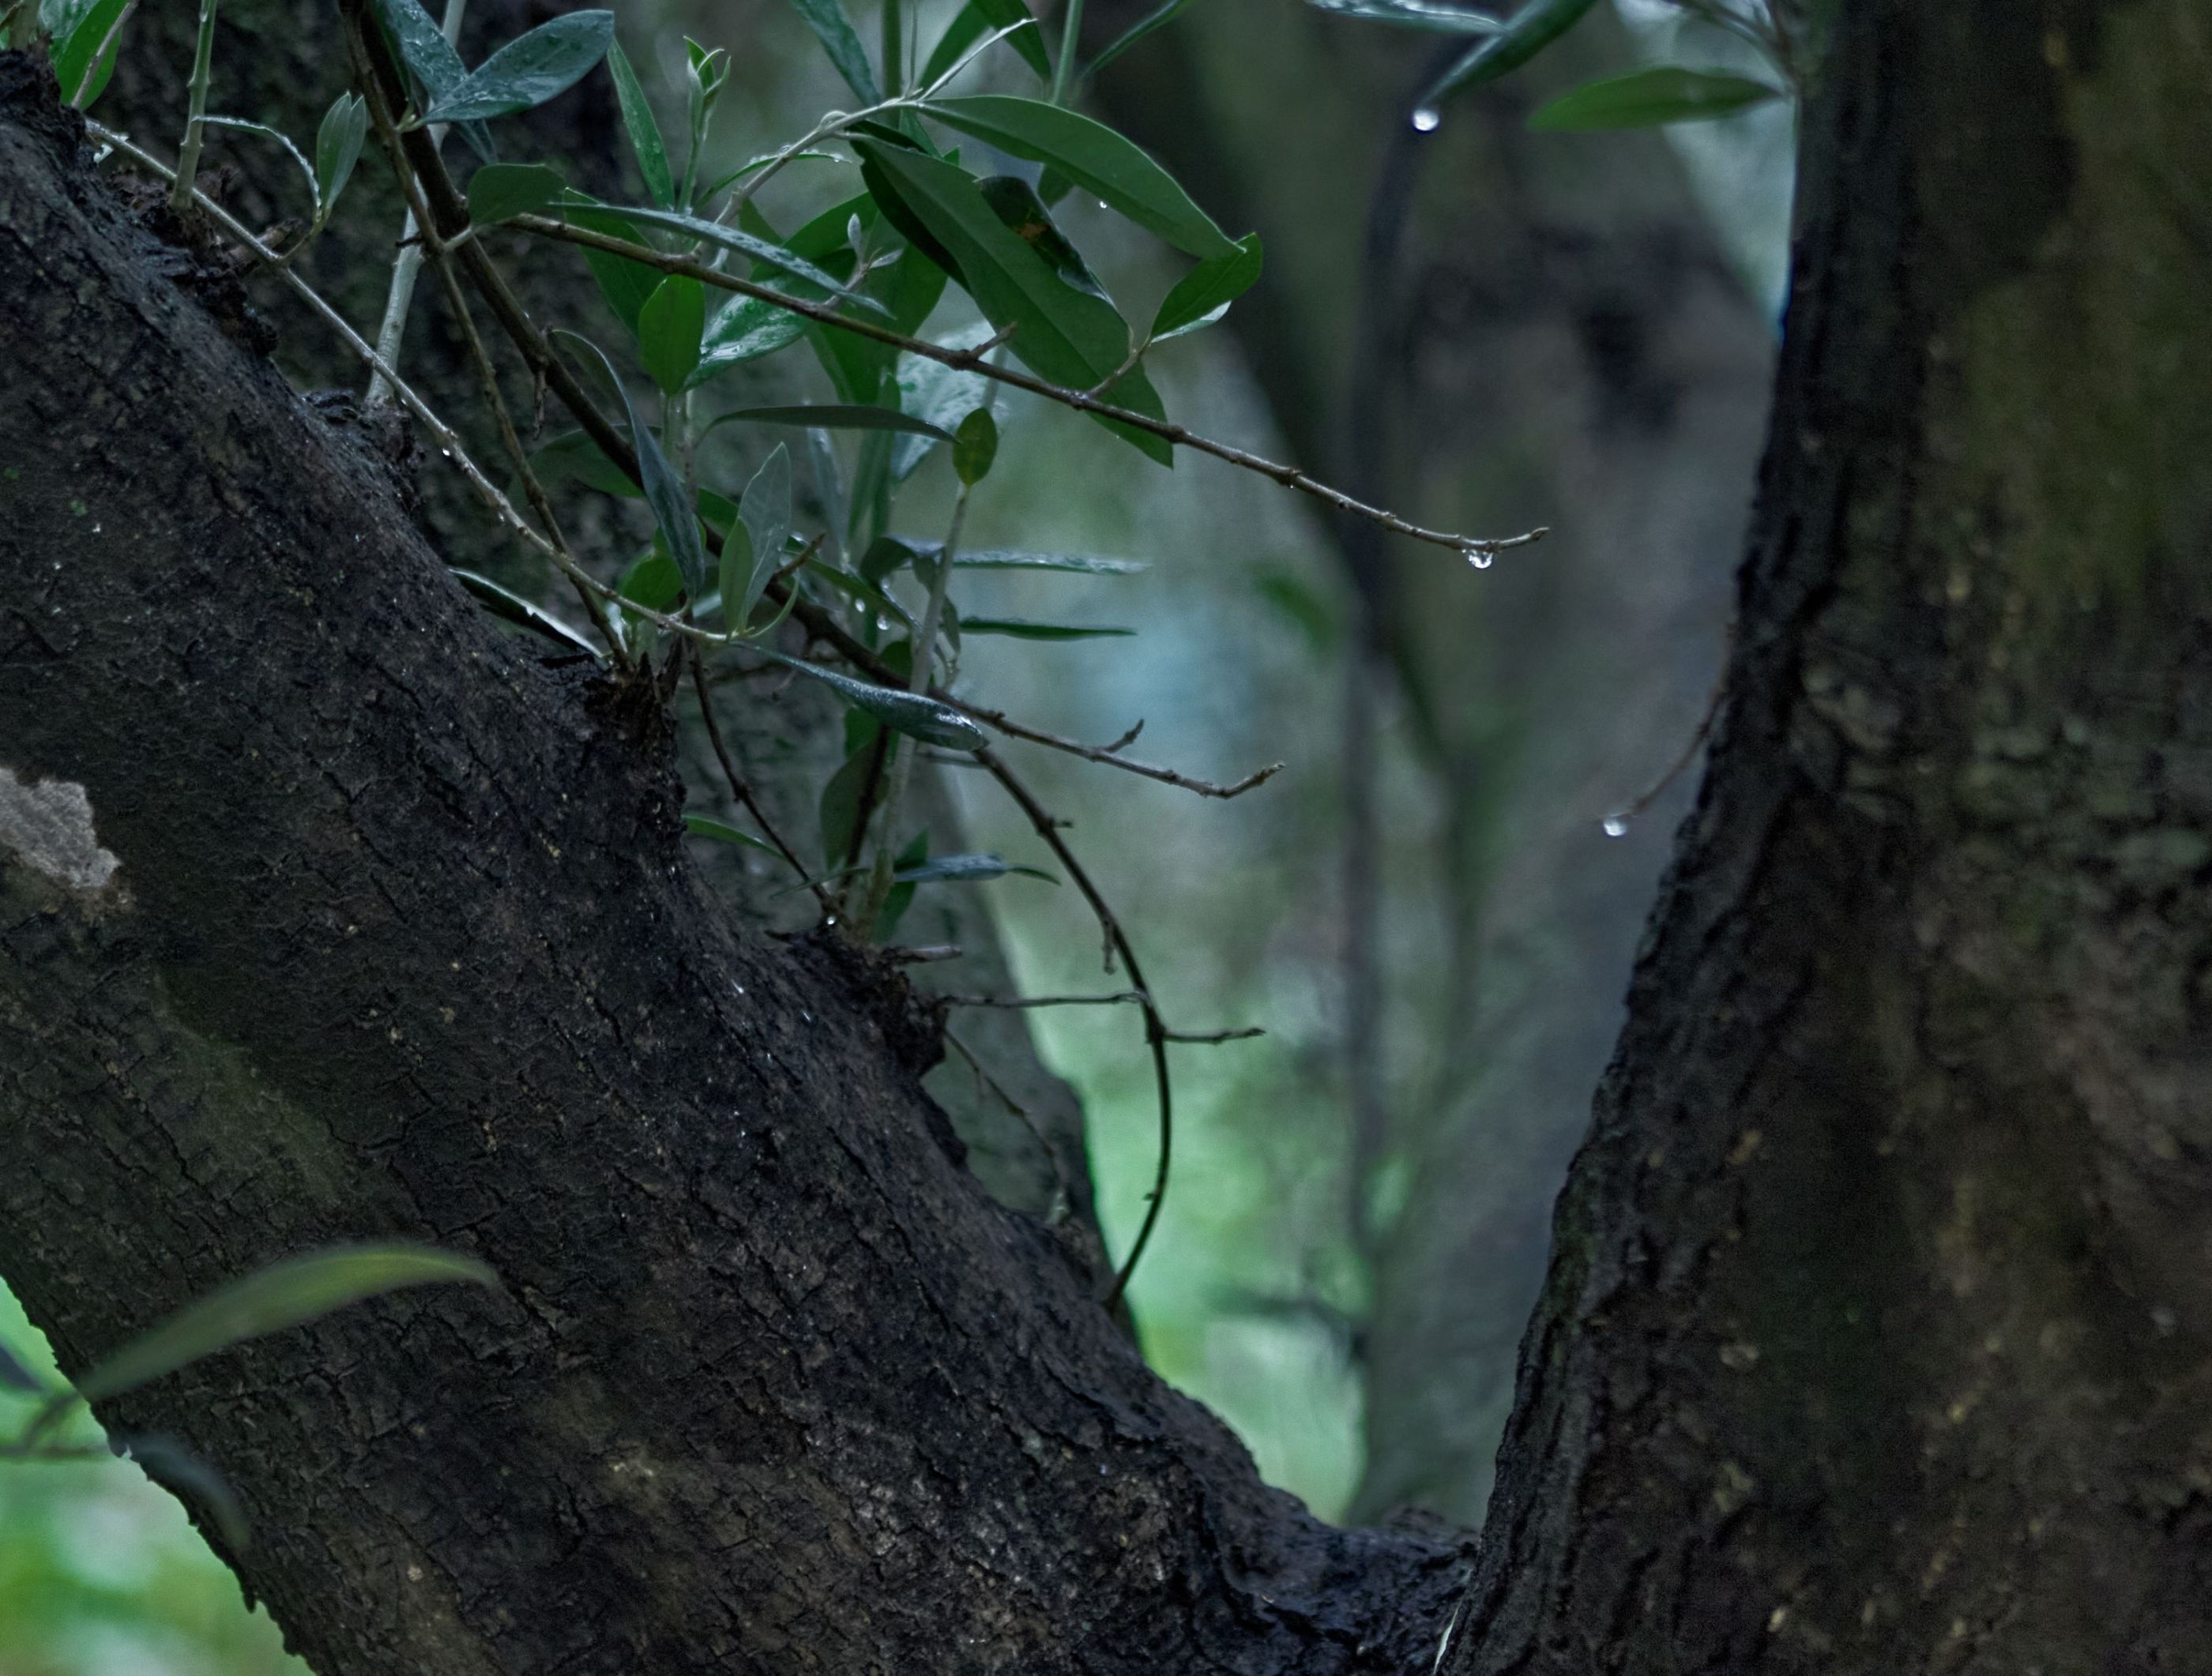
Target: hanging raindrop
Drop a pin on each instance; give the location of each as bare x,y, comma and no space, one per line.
1481,557
1425,119
1614,826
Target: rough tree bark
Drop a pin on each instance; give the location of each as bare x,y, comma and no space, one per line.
1879,1333
399,937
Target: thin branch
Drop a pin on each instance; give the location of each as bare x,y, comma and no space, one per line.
743,791
1109,754
400,295
1061,1199
1479,549
1616,824
1012,1003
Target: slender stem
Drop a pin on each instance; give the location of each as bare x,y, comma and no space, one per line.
741,790
1063,69
401,297
188,155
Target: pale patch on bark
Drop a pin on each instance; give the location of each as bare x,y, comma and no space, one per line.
48,824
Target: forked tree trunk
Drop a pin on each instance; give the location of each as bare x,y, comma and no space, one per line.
1879,1333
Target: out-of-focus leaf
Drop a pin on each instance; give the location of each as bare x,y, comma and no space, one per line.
833,415
704,826
974,446
977,18
664,490
574,456
838,809
644,128
1022,628
1663,93
1526,33
939,395
669,328
965,870
529,70
16,1376
338,148
1429,14
744,330
835,31
1094,157
501,191
1010,558
624,282
1203,295
1159,18
743,244
515,609
83,64
178,1470
284,1294
764,509
924,718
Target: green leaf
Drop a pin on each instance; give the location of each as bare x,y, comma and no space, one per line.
975,446
1663,93
644,130
1011,559
1094,157
338,148
515,609
528,71
1028,37
622,281
501,191
653,582
284,1294
664,490
939,395
1203,295
1066,335
965,870
1428,14
764,509
838,809
16,1376
924,718
860,590
752,164
84,57
744,244
574,456
669,329
833,415
702,826
423,47
835,31
1159,17
1022,628
744,330
1526,33
184,1474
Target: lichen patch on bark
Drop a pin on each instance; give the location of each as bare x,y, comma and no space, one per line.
48,824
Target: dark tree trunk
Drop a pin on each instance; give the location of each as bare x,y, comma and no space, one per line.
326,912
1879,1335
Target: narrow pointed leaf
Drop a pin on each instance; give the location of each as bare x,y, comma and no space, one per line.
501,191
338,148
1012,559
423,47
1159,18
833,416
1203,295
745,330
644,130
624,282
285,1293
1021,628
924,718
83,70
1663,93
704,826
745,244
529,70
1028,37
1526,33
965,870
664,489
669,328
1094,157
765,510
1429,14
836,32
184,1474
503,602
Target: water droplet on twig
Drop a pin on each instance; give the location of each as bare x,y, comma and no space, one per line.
1614,826
1425,119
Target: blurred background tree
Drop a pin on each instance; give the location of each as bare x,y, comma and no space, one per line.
1485,327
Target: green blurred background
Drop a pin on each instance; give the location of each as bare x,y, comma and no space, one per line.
1575,332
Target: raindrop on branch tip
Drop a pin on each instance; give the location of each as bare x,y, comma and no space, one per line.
1614,826
1425,119
1481,557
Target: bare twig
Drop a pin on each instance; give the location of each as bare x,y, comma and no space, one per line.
1016,1002
1061,1197
743,792
1616,824
1110,755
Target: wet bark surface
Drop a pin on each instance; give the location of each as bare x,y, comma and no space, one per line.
395,935
1878,1337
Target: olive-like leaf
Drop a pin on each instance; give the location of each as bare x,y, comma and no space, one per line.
1663,93
924,718
762,251
501,191
1022,628
1429,14
705,826
82,36
16,1376
503,602
338,148
644,130
669,329
836,417
529,70
664,489
744,330
178,1470
1002,558
764,509
622,281
574,456
965,870
307,169
1203,295
835,33
1094,157
284,1294
423,47
1526,33
974,446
